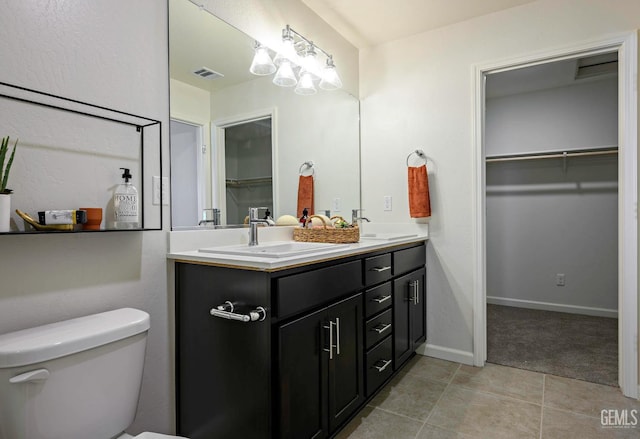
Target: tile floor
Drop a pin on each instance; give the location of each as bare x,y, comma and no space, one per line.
434,398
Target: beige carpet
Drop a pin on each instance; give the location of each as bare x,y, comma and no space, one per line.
568,345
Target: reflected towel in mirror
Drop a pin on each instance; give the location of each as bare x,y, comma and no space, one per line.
305,194
419,201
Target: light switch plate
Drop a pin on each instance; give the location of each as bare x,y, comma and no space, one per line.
387,203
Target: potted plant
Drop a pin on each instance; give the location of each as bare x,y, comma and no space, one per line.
5,193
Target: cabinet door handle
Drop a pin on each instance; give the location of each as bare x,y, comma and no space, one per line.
380,269
337,336
385,364
330,350
381,299
381,328
416,289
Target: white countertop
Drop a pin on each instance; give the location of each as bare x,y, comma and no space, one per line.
184,245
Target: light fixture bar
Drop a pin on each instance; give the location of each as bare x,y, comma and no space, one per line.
289,30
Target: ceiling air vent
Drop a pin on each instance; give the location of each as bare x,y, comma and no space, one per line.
597,65
207,73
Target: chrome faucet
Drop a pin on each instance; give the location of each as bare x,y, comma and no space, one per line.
215,220
254,221
355,218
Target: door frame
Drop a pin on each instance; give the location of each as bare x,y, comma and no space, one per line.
218,155
627,47
201,176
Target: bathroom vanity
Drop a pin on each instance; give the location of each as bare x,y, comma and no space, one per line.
293,349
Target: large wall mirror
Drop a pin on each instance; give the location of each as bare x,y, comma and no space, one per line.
238,140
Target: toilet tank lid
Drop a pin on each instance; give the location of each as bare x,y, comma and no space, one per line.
42,343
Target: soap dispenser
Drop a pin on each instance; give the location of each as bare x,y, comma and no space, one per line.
125,204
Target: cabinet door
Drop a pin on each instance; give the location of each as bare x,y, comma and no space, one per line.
409,315
419,309
346,370
303,377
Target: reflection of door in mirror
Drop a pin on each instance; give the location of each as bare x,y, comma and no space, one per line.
186,174
248,171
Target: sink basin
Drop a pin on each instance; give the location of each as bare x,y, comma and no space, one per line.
274,250
387,236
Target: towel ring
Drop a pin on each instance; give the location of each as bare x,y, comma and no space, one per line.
420,153
308,165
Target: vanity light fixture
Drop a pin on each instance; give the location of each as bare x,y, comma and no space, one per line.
262,64
296,64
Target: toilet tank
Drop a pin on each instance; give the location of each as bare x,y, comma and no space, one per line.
75,379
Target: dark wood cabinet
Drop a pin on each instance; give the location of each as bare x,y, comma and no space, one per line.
320,370
334,333
409,314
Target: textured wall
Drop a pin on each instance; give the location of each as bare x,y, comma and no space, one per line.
111,53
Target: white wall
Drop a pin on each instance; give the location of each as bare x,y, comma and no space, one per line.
323,128
111,53
418,92
542,219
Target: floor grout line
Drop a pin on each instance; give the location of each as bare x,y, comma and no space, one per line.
544,383
438,400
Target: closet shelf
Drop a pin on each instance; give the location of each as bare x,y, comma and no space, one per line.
244,182
553,154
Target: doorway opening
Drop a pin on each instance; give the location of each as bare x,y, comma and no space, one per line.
245,167
626,256
551,143
187,173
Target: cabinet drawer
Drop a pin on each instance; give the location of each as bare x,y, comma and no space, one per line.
378,298
378,328
377,269
379,366
409,259
304,291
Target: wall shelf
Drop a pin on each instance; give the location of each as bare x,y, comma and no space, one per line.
69,154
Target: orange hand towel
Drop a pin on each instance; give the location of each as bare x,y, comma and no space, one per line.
419,202
305,194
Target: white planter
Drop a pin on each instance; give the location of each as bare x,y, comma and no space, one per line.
5,212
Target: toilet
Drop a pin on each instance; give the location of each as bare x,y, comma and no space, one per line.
75,379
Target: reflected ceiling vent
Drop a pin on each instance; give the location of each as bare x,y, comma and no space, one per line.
207,73
597,65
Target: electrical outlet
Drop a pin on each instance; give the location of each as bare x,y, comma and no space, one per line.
560,279
337,205
160,191
387,203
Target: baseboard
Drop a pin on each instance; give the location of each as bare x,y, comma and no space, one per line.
546,306
444,353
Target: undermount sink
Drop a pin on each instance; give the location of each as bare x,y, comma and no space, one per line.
273,250
387,236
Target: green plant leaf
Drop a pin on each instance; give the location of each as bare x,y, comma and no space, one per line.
3,152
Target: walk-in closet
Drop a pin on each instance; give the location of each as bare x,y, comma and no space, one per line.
552,217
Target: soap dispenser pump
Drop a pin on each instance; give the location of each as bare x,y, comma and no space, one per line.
125,204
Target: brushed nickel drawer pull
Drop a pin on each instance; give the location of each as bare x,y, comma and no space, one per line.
337,336
381,328
380,269
381,299
386,363
331,345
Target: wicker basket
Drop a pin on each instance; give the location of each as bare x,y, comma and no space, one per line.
332,236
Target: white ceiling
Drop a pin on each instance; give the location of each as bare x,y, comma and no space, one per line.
367,23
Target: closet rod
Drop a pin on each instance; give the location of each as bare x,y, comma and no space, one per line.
552,155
